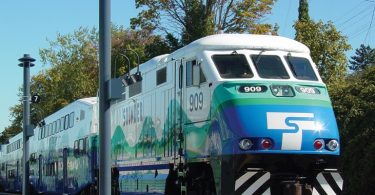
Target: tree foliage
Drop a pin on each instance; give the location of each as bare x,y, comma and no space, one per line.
364,57
354,105
303,11
73,62
327,47
196,18
131,48
72,71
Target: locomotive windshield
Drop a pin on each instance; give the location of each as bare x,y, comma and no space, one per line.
232,66
301,68
269,66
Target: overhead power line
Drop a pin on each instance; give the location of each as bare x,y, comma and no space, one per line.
369,28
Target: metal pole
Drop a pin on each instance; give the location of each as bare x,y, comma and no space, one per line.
104,104
26,64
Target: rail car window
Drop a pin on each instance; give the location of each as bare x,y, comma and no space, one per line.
194,74
12,173
71,118
76,147
40,133
269,66
161,76
52,128
62,122
81,146
58,125
47,129
55,130
301,68
232,66
44,131
51,169
86,144
66,122
82,115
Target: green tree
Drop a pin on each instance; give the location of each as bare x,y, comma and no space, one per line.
354,105
197,25
162,45
131,44
326,44
327,47
303,11
16,123
195,18
71,72
364,57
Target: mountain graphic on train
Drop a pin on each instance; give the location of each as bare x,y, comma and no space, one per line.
226,114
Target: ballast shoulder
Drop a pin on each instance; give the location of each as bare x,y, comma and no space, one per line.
247,41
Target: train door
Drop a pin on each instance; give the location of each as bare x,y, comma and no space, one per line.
6,173
179,108
197,108
18,176
40,174
94,158
197,95
65,168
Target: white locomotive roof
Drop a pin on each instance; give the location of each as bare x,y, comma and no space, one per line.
151,63
231,42
246,41
89,100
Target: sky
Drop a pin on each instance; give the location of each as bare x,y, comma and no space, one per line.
26,26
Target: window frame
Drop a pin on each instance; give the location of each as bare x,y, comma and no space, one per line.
161,76
292,69
194,73
71,120
220,68
255,59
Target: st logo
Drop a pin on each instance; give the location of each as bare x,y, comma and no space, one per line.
292,124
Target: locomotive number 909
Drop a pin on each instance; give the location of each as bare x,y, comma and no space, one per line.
196,101
253,89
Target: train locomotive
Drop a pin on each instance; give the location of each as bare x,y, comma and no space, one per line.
226,114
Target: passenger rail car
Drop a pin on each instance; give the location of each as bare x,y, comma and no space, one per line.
10,165
226,114
63,152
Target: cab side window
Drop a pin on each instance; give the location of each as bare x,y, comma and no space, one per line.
194,74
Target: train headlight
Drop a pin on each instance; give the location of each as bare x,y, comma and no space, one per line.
332,145
282,90
245,144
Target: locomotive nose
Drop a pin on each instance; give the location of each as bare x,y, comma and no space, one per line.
281,129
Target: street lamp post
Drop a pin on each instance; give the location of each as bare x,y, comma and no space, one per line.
104,100
26,64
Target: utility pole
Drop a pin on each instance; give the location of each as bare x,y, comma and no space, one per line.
27,129
104,102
